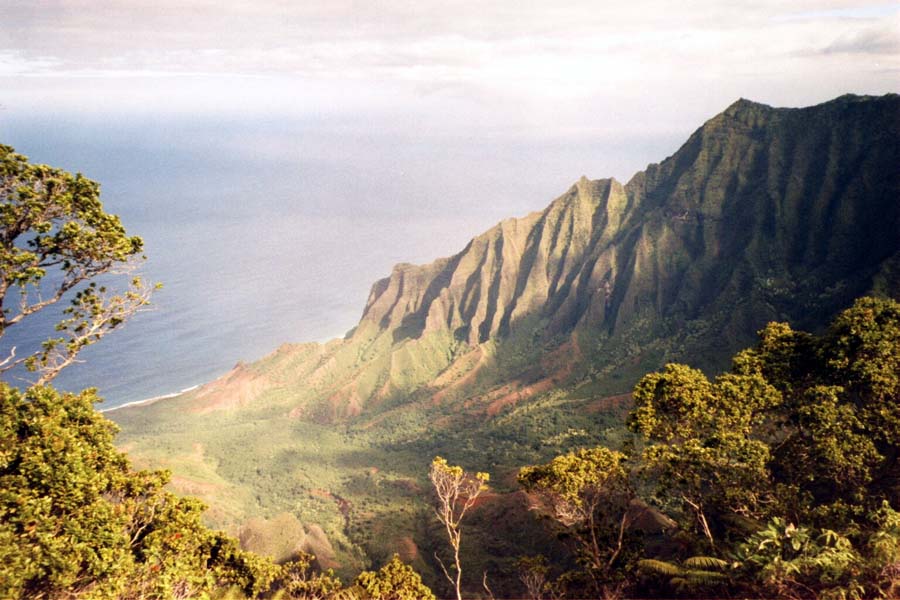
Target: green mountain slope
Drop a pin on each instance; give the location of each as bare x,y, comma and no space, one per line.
527,341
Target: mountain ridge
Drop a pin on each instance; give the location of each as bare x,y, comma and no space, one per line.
479,292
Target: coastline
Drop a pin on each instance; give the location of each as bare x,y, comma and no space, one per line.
152,400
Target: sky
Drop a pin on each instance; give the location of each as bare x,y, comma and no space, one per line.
551,69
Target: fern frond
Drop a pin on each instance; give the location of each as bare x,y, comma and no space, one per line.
680,583
706,563
660,567
705,577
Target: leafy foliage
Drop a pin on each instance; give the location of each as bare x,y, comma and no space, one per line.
695,573
791,561
588,493
783,472
76,520
534,573
54,236
394,581
298,579
704,457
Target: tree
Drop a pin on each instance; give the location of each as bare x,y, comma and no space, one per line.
534,573
837,452
788,561
587,492
297,579
784,472
790,462
703,455
456,493
54,237
394,581
77,521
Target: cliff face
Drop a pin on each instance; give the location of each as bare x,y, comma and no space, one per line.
518,268
763,214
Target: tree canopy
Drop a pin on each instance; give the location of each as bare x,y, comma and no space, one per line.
76,520
781,475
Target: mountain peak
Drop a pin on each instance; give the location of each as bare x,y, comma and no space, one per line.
743,112
742,104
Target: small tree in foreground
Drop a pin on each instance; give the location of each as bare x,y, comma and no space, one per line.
393,581
456,492
298,579
77,522
534,573
54,237
588,494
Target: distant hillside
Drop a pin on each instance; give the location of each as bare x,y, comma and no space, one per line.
541,324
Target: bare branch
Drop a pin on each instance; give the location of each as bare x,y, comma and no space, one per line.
444,569
6,361
484,584
457,492
698,509
92,315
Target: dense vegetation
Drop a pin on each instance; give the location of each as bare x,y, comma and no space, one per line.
778,478
77,522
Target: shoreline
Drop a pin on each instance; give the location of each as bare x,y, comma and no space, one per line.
152,400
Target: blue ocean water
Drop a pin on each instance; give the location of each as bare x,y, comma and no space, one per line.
266,230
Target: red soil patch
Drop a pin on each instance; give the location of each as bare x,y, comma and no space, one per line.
320,493
407,549
559,365
191,487
486,498
407,486
346,402
513,398
610,403
561,362
445,381
238,388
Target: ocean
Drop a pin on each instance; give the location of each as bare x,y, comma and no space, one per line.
268,230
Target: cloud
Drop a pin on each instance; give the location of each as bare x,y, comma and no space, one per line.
13,63
874,40
532,58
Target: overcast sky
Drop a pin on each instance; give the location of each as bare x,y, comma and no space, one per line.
546,67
